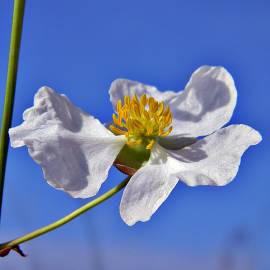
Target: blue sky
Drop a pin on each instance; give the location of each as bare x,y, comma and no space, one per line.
79,49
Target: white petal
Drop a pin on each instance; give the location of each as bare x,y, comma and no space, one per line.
74,149
147,189
206,104
176,142
122,87
215,159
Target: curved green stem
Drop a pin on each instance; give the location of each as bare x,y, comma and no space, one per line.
64,220
16,31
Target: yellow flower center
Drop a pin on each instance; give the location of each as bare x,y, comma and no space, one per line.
141,120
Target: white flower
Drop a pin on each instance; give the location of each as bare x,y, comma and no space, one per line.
153,132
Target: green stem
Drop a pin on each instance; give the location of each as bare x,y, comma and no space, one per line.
16,31
64,220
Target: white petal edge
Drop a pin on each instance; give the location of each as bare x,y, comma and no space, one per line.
147,189
73,148
215,159
206,104
123,87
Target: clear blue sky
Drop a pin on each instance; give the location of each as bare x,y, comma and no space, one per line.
78,48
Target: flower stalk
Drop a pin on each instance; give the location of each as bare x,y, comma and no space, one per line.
14,244
16,31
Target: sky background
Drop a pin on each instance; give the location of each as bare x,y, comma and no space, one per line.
78,48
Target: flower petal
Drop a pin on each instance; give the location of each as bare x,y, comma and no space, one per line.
215,159
122,87
206,104
147,189
176,142
74,149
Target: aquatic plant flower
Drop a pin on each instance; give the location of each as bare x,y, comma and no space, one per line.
157,137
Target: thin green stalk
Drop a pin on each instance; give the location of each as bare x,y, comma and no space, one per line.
16,31
14,243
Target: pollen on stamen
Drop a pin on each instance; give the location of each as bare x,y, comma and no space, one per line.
141,120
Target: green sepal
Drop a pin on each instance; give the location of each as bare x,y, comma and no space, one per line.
132,158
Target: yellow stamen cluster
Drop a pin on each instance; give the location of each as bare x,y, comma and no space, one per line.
141,120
